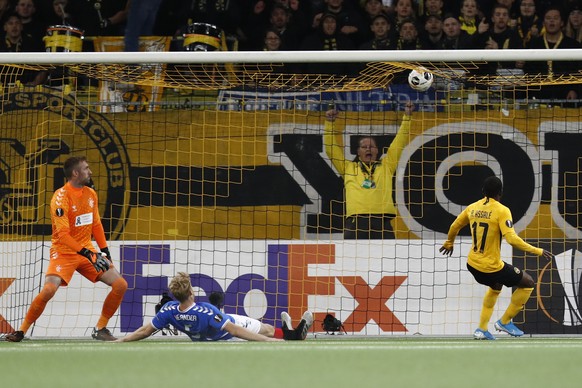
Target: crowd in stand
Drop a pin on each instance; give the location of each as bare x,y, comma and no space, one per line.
303,24
310,25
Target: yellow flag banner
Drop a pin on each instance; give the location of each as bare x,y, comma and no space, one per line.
208,174
131,97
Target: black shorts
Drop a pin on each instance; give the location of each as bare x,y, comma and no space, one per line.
369,227
509,276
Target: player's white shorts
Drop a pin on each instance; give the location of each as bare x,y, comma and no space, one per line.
251,324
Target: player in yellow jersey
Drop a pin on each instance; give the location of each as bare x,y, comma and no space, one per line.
489,220
367,179
75,220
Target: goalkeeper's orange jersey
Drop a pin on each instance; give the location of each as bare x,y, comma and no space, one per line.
359,200
489,220
75,219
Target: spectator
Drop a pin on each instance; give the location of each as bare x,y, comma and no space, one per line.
512,8
455,38
468,16
565,5
327,38
433,33
32,25
372,8
5,10
59,14
272,41
299,21
408,38
382,39
349,21
573,27
528,23
432,8
403,11
15,41
280,21
141,19
552,38
367,179
100,17
254,25
497,37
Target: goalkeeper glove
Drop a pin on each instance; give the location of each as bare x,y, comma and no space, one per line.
99,261
106,251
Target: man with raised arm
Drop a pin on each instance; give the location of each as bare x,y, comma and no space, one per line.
367,178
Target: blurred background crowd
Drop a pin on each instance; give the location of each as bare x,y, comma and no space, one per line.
294,24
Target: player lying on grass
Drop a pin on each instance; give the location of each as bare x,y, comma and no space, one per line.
205,322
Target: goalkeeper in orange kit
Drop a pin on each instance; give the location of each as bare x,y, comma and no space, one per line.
75,220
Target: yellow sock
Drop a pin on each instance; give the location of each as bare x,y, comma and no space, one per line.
518,299
489,301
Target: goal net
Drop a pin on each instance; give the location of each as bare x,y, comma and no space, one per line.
217,164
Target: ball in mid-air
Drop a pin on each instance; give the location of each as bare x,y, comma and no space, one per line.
420,79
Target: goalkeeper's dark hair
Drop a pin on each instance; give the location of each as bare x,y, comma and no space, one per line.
492,187
71,164
180,286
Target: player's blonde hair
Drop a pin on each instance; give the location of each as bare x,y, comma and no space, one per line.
181,287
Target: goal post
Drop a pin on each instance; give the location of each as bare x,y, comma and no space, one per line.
215,164
364,56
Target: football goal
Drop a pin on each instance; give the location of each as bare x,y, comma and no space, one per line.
224,165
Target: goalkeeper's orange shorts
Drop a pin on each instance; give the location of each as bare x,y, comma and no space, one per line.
64,266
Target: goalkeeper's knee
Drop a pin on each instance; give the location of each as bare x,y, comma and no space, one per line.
48,291
119,286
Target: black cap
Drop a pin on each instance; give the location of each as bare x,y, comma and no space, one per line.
328,15
451,15
381,15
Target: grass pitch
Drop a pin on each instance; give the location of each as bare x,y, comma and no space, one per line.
317,362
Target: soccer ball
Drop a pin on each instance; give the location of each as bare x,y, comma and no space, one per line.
420,79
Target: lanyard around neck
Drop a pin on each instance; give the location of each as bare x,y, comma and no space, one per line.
556,45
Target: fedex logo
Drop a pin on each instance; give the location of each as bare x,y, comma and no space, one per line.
287,286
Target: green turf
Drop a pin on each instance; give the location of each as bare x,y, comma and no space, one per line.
374,362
